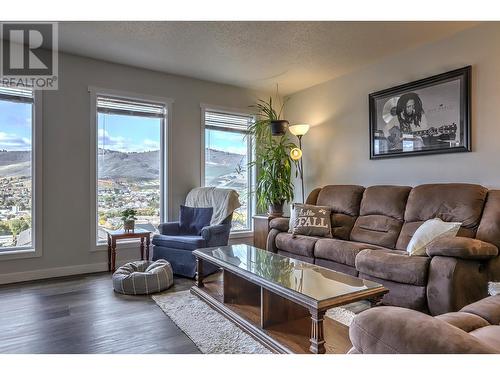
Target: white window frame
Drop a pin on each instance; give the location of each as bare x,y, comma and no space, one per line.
165,152
35,250
250,171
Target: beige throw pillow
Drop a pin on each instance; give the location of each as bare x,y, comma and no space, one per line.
310,220
428,232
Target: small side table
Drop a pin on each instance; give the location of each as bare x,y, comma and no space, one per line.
120,234
261,230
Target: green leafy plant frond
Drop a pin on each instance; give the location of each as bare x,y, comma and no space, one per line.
129,214
272,157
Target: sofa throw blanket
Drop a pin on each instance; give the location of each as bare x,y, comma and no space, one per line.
223,201
310,220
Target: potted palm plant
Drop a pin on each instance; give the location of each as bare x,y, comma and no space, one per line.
128,218
272,159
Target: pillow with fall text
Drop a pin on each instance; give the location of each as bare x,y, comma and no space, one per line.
310,220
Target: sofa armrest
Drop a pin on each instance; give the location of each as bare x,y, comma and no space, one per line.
395,330
216,235
169,229
462,247
454,283
271,240
280,223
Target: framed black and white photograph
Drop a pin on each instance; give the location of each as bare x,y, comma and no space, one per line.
428,116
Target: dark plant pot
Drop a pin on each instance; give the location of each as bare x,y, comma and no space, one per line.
279,127
276,209
128,226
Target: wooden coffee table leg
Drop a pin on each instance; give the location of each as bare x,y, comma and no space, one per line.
113,255
199,273
147,247
142,248
317,337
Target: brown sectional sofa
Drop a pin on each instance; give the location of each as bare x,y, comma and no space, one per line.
371,229
394,330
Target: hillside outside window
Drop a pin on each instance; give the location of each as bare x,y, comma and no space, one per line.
16,168
226,155
130,165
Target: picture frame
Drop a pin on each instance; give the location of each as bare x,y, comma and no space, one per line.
428,116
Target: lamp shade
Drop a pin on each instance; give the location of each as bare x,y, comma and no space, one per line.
295,153
299,129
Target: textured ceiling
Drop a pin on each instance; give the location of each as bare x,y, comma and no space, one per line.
257,55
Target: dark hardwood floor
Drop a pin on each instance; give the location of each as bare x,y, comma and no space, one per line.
82,314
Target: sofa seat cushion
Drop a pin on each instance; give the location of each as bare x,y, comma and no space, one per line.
489,335
393,265
296,256
411,297
179,242
488,308
339,267
296,244
341,251
465,321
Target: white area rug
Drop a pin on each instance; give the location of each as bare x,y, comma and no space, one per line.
210,331
213,333
345,314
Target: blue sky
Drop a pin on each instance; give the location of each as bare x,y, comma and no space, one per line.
119,133
128,133
15,126
139,134
230,142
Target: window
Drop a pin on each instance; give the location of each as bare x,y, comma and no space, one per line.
131,162
16,168
227,153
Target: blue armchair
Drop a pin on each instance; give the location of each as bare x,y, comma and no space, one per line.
177,248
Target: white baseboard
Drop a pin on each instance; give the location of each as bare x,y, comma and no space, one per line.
47,273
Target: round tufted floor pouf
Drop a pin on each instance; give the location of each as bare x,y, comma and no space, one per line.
143,277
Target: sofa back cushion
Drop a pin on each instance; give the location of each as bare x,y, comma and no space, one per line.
193,219
381,215
489,227
344,202
450,202
312,198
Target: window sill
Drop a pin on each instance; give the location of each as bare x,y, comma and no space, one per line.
20,254
242,234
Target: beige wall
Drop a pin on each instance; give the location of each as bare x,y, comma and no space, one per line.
66,156
337,147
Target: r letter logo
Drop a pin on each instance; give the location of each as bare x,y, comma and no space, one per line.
29,55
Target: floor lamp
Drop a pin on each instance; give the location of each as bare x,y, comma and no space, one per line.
296,153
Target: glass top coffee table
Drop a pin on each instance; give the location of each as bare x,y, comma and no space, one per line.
278,300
